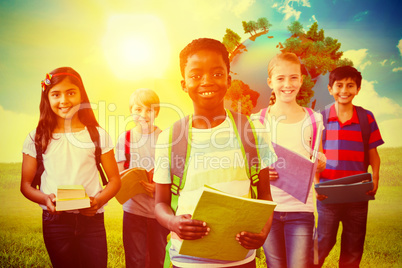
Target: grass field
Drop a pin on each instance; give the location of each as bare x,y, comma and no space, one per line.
21,242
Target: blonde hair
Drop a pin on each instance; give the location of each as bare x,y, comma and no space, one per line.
146,97
285,56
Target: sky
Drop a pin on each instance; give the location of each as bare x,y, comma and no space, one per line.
118,46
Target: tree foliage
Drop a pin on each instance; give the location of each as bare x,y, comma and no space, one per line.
231,40
318,54
243,99
246,27
263,24
296,28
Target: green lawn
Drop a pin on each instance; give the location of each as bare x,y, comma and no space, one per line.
21,242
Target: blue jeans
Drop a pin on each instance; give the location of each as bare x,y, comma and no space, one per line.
290,240
144,241
75,240
354,220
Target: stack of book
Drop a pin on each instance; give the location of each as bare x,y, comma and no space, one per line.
71,197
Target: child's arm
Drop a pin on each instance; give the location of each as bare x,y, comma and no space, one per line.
182,225
252,240
375,166
110,167
28,171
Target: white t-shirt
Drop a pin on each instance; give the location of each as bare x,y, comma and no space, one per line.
142,154
215,160
296,137
70,159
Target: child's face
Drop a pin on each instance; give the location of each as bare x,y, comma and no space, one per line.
344,90
206,80
65,99
144,116
285,81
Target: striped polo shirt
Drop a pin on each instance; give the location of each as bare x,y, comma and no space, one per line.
344,146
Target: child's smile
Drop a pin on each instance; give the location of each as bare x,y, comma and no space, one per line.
65,99
206,80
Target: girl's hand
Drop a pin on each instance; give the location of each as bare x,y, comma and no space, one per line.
188,229
149,187
320,196
91,211
51,204
322,161
251,240
273,175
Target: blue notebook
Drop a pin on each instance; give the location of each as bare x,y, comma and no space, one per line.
346,190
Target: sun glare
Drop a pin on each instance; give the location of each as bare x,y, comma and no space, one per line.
136,46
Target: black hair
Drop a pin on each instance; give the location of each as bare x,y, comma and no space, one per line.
203,44
343,72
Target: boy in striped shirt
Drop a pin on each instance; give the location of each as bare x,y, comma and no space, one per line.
344,149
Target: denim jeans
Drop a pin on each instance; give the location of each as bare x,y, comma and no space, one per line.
354,220
75,240
144,241
290,240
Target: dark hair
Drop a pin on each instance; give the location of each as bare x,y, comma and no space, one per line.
343,72
48,120
203,44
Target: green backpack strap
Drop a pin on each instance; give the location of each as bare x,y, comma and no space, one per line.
179,152
248,139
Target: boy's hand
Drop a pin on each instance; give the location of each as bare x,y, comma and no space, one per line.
322,162
91,211
375,188
320,196
251,240
188,229
148,186
273,175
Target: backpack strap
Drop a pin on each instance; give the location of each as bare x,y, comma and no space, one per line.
127,149
39,167
325,116
263,114
179,151
93,132
365,128
314,125
246,135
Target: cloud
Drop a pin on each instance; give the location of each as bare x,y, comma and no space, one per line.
240,6
358,57
363,65
379,105
399,46
360,16
391,132
288,9
18,125
383,62
397,69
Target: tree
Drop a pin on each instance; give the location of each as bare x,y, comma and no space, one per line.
253,26
231,40
296,28
263,23
242,98
246,27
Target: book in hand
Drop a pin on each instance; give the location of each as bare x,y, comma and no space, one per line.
296,172
226,215
346,190
130,183
71,197
70,191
